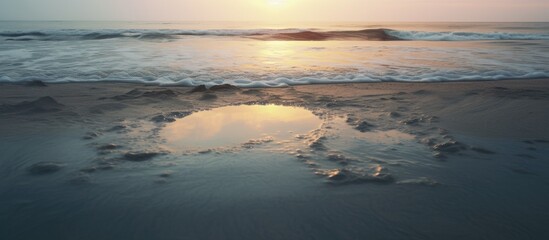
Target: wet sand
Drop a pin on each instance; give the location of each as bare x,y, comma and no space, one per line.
390,160
512,108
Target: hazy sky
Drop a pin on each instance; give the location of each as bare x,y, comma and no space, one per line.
277,10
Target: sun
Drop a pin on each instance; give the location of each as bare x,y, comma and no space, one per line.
275,2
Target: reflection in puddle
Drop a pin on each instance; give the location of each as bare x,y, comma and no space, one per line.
233,125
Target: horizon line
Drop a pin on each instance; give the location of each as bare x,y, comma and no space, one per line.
261,21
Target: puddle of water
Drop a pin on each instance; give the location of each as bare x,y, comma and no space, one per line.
234,125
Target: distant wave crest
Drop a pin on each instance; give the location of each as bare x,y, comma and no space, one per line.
463,36
269,34
364,35
67,35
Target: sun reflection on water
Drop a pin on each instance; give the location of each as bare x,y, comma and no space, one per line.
277,52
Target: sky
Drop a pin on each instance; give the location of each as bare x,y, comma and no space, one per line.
277,10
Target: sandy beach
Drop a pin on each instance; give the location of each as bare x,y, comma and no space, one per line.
433,160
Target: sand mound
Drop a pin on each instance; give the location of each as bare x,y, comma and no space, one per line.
378,174
44,168
169,117
224,87
140,156
136,93
35,83
41,105
200,88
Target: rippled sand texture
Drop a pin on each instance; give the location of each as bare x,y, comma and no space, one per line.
347,161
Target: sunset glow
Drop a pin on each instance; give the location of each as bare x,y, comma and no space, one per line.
286,10
275,2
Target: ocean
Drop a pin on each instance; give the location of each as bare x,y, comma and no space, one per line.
270,55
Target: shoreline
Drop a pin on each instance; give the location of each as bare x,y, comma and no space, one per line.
167,85
455,103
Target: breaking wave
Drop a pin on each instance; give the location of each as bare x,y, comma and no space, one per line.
365,35
463,36
270,34
67,35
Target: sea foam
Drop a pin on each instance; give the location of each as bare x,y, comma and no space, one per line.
464,36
